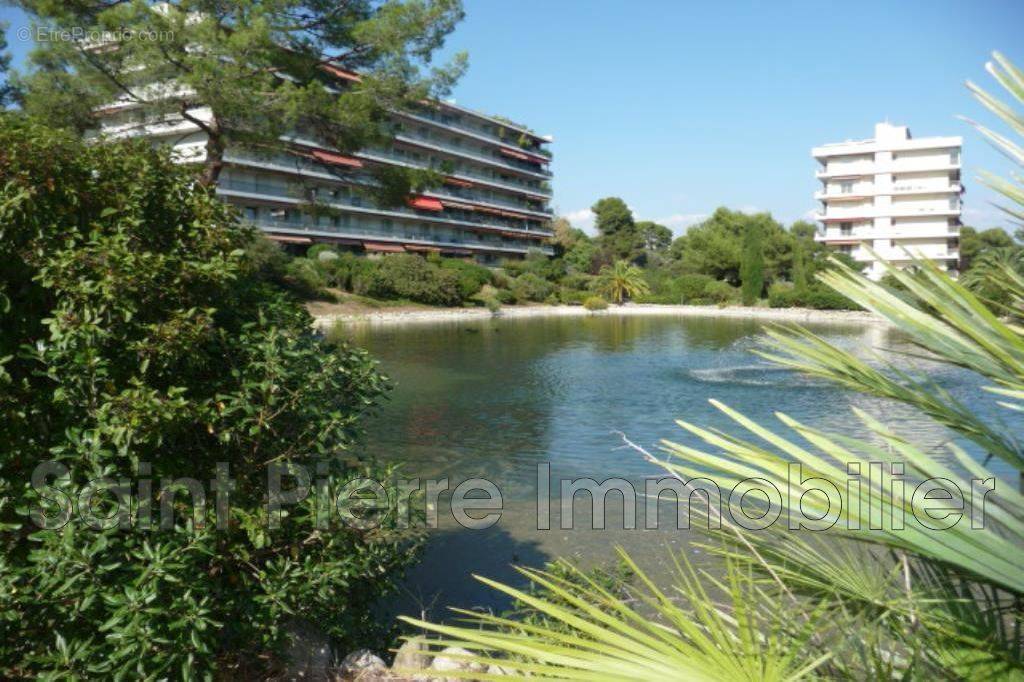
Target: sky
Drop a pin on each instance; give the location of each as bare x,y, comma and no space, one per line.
681,107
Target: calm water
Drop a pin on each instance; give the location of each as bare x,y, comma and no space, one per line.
495,398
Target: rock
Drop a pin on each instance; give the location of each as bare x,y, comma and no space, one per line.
412,656
362,664
309,652
446,661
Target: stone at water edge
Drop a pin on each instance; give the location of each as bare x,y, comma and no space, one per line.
444,661
362,663
412,655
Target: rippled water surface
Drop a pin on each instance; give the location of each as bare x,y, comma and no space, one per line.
495,398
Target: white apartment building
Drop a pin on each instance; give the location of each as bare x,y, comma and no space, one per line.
894,194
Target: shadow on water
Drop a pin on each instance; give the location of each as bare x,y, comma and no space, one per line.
444,576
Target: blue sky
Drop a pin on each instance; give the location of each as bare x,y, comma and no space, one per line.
681,107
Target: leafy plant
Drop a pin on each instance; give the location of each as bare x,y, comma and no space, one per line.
595,303
139,340
621,281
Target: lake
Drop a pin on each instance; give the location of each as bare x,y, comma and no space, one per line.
495,398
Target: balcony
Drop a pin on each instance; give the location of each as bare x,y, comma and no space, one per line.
458,151
280,193
852,170
370,234
905,188
473,132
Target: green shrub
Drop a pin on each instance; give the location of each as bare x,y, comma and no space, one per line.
471,276
139,333
817,296
305,277
692,287
720,292
411,277
314,252
783,295
570,296
595,303
506,297
530,287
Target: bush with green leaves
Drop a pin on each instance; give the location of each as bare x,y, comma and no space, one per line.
471,276
595,303
719,292
137,341
530,287
414,278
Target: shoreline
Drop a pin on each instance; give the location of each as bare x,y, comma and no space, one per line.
388,317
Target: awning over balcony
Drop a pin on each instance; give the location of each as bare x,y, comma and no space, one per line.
383,248
336,159
457,204
843,242
515,154
457,252
455,182
426,204
286,239
423,248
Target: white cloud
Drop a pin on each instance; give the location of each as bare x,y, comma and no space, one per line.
680,222
583,219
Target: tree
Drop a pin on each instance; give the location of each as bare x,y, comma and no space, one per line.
621,281
752,265
803,229
656,237
247,73
138,342
715,246
973,243
8,90
618,237
799,267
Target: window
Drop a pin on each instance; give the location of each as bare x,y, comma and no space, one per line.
845,228
846,248
846,187
954,156
954,203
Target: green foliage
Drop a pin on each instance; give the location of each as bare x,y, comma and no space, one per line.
471,276
715,247
720,293
973,243
618,236
987,275
141,332
621,281
305,277
752,263
530,287
655,237
593,303
231,58
817,296
413,278
799,266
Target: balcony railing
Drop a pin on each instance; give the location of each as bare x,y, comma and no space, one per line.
280,192
360,232
504,164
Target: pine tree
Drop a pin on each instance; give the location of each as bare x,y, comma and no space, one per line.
799,267
752,263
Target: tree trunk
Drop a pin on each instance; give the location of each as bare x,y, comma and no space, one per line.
214,156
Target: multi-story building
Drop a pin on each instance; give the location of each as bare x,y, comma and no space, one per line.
894,194
493,203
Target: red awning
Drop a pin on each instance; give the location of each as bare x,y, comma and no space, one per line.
514,153
289,240
342,73
383,248
456,204
457,183
422,248
426,204
336,159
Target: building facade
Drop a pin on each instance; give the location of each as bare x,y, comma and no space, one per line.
894,194
493,203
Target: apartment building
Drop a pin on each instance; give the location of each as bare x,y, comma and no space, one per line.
493,203
894,194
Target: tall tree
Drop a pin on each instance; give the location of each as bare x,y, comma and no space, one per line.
618,237
715,246
7,90
974,243
655,237
248,72
799,266
752,265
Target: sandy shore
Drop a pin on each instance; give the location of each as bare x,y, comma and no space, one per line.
325,321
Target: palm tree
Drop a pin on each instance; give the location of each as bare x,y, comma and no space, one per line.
868,600
984,276
621,281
